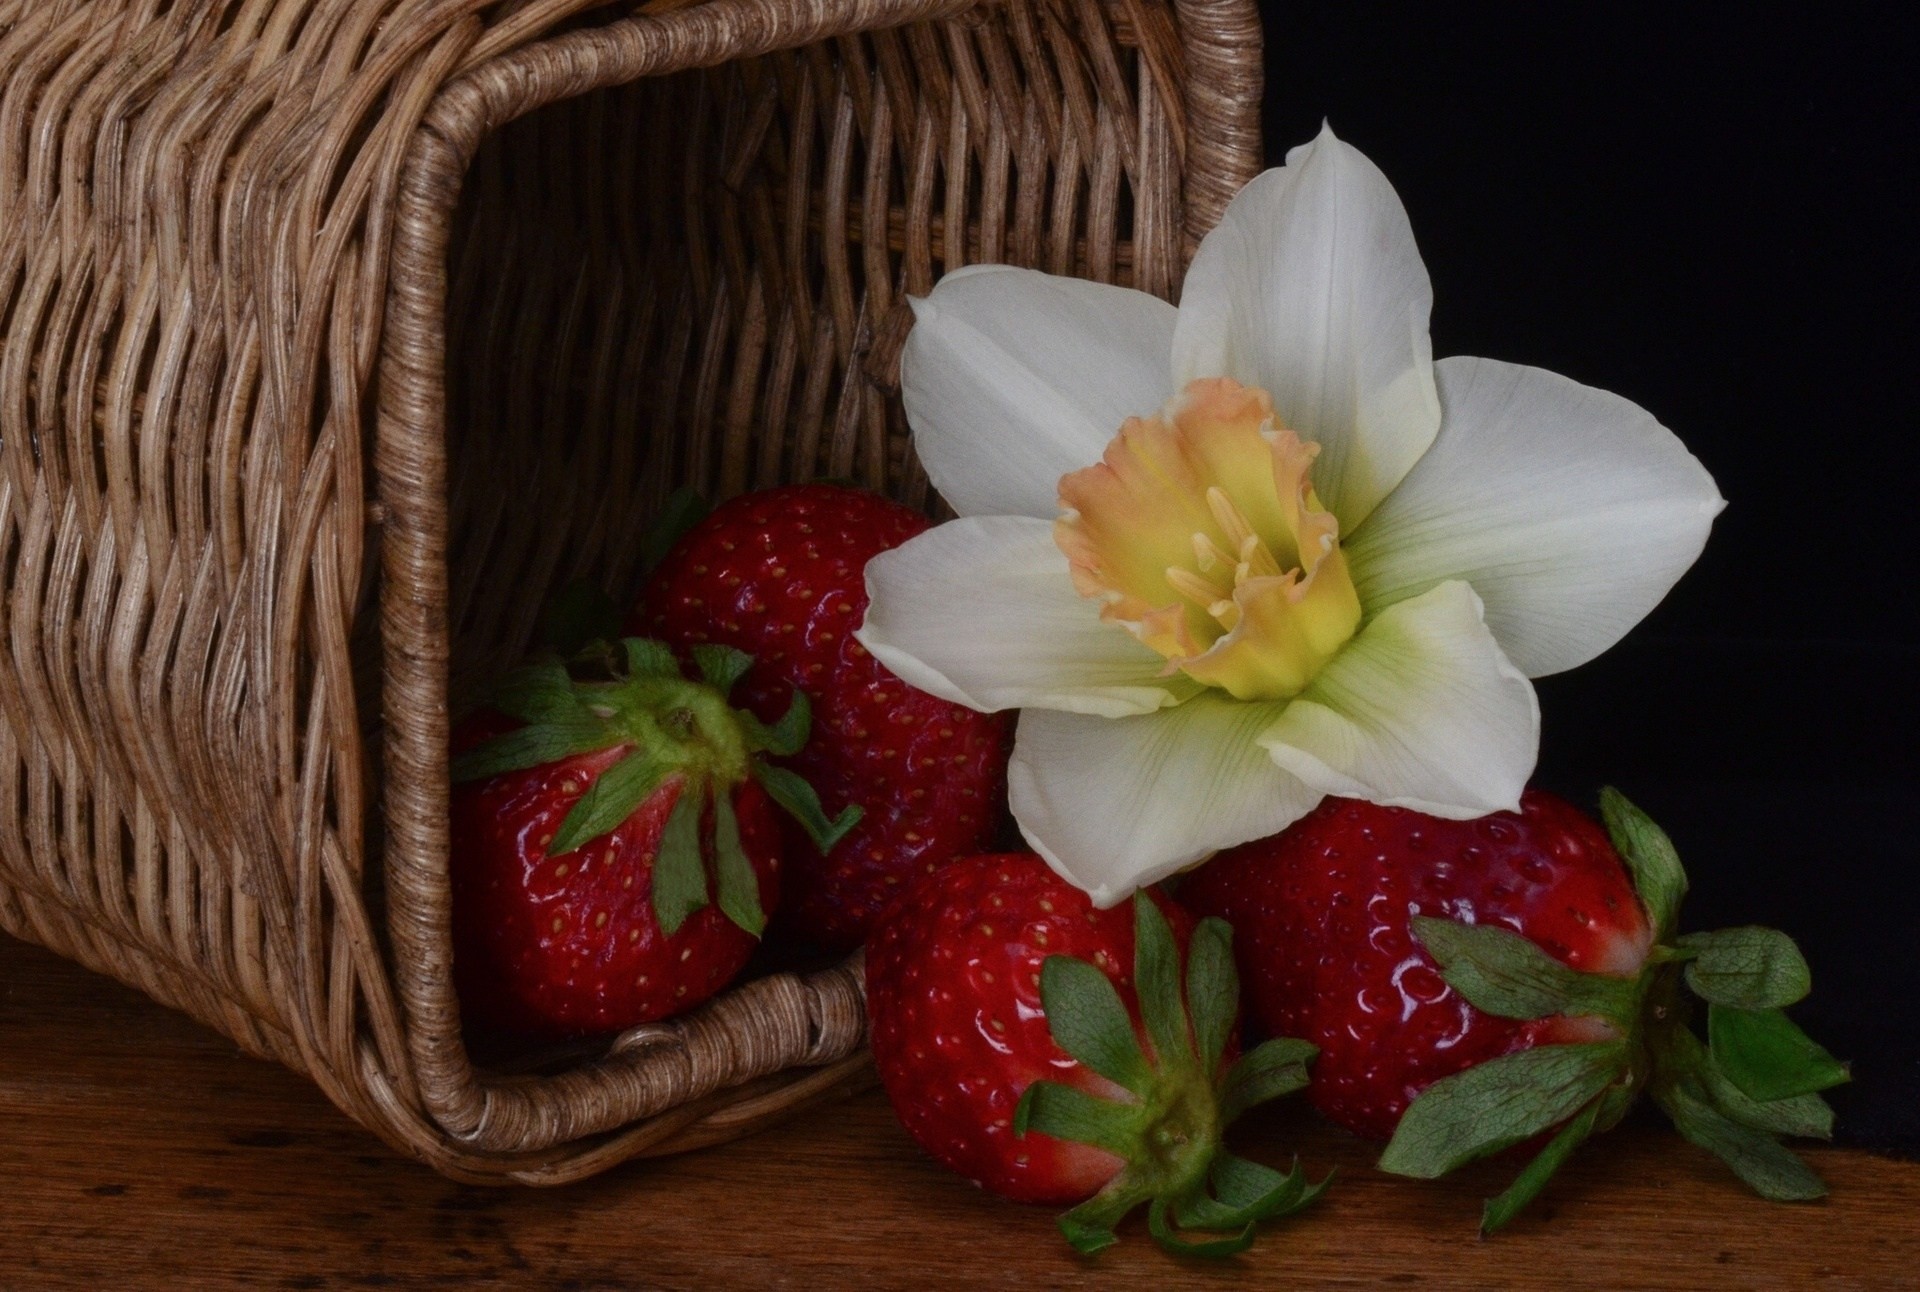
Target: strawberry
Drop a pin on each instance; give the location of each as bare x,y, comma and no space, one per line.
1048,1051
1322,914
591,822
779,574
1475,985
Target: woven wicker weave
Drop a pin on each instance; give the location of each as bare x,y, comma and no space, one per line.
335,333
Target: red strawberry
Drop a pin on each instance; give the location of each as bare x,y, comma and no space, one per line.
1048,1051
1475,984
590,822
780,575
1322,914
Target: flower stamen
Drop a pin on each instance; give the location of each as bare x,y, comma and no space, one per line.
1213,485
1207,553
1229,518
1202,592
1256,562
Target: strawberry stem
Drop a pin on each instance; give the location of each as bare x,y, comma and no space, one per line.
669,727
1182,1097
1756,1078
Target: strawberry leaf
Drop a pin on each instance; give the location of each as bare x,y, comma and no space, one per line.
1157,982
1213,991
1804,1115
537,693
1088,1021
613,797
679,877
579,613
1503,973
1272,1069
1244,1193
1202,1211
1089,1226
792,793
1497,1104
721,666
1768,1167
1650,855
531,746
1614,1104
1747,968
1257,1192
1766,1055
1066,1113
649,658
1087,1237
785,737
1499,1210
738,887
1164,1234
1800,1116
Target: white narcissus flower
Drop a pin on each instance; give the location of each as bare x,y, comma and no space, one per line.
1300,559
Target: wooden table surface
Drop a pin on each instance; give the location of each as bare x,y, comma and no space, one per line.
139,1150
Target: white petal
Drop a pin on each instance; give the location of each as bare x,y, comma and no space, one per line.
982,611
1571,512
1012,378
1312,288
1117,803
1419,710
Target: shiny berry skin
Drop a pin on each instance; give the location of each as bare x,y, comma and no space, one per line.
1321,913
551,948
780,574
957,1029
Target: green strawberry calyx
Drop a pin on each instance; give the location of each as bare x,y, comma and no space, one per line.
671,728
1754,1078
1180,1094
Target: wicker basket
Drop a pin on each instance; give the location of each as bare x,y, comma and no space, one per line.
336,333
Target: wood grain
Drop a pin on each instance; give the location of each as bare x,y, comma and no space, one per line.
140,1149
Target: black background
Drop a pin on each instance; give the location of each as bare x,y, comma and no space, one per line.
1715,215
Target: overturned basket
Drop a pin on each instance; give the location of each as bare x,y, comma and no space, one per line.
312,310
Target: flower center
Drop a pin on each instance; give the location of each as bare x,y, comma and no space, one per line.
1199,532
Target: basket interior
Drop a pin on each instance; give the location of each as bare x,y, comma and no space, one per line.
699,279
